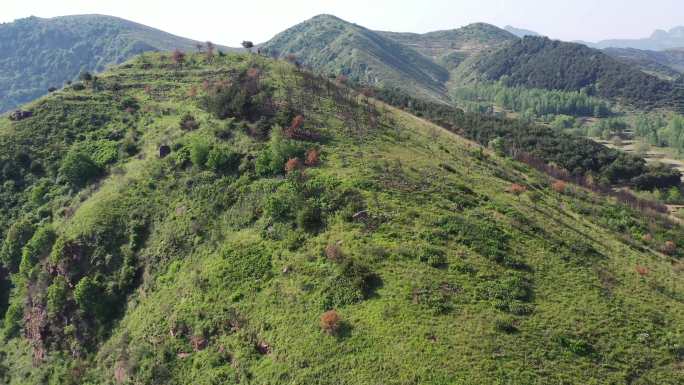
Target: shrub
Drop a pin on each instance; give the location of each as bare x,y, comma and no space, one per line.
559,186
130,104
78,168
37,248
669,248
334,253
310,218
13,319
57,296
312,157
199,152
330,322
188,123
505,324
17,236
87,295
353,283
222,160
293,165
516,189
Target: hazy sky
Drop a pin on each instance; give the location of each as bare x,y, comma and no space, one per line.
229,22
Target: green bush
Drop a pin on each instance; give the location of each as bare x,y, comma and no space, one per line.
271,161
310,218
221,159
18,234
13,319
78,168
505,324
37,248
88,296
353,283
57,296
199,152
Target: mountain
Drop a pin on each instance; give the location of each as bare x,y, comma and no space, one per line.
235,219
538,62
520,32
450,47
659,40
668,64
36,53
334,46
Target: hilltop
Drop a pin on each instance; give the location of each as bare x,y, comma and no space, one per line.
334,46
236,219
37,54
450,47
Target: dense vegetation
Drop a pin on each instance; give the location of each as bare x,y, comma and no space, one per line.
38,54
334,46
578,156
533,102
666,64
538,62
233,219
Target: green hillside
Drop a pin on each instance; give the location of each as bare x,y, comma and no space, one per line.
665,64
449,48
333,46
538,62
294,231
36,54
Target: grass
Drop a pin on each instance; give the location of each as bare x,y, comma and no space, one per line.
226,292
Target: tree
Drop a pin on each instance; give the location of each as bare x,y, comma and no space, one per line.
178,57
85,76
248,45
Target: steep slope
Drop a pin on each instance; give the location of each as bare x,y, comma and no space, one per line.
659,40
36,54
334,46
667,64
163,228
538,62
449,48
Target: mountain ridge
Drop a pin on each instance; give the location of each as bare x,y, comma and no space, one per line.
37,54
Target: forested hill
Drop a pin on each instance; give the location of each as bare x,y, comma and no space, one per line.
37,53
538,62
668,64
333,46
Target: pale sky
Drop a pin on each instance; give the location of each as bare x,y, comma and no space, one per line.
229,22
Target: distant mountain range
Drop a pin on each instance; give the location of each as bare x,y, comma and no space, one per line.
37,53
668,64
659,40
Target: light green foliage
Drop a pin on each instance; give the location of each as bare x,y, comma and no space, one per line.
17,236
37,248
533,102
164,273
57,296
78,168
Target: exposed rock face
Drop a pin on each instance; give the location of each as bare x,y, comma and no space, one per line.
20,115
164,151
